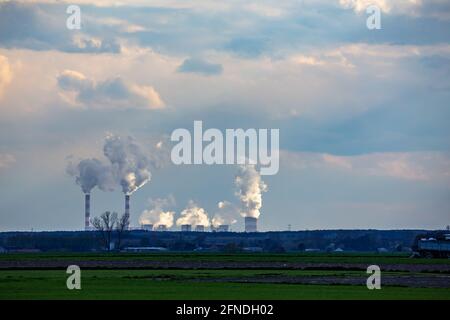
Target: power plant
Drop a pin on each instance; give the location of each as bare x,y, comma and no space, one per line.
250,224
186,227
129,167
149,227
87,212
200,228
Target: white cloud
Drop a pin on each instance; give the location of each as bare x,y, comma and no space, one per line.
123,25
361,5
413,166
114,92
432,8
5,74
31,26
157,215
351,75
265,10
35,91
6,160
307,60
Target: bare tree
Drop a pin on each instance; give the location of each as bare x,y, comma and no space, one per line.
121,227
105,224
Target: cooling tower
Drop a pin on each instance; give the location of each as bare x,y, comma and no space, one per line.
200,228
250,224
186,227
87,212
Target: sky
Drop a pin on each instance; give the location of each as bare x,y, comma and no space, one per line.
363,114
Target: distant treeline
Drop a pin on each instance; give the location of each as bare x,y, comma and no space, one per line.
323,240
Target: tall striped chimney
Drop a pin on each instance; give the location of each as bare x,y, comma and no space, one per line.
127,206
87,211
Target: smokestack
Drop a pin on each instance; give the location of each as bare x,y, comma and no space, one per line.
87,211
250,224
127,207
127,204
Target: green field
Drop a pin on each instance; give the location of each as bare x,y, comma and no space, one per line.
172,284
212,283
366,258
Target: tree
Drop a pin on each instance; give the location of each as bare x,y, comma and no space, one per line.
121,227
105,224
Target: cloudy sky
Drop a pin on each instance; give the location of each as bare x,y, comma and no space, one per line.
363,114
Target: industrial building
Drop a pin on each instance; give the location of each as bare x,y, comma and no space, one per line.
186,227
200,228
250,224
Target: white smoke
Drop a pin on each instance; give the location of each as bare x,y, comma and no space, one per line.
249,190
91,173
225,214
130,165
156,215
159,151
194,216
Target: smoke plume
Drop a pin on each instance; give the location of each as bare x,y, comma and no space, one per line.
159,151
156,215
225,214
194,216
127,166
130,165
91,173
249,190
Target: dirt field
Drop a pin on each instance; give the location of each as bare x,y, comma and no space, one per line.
222,276
143,264
415,281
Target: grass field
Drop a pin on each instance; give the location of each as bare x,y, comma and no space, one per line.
235,283
368,258
172,284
